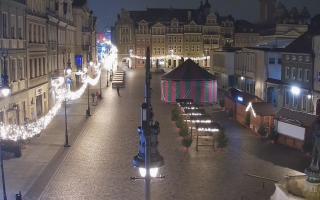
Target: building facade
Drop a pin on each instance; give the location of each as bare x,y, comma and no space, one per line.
13,60
37,40
171,34
297,74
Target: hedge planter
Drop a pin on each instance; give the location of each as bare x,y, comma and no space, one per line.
186,142
222,140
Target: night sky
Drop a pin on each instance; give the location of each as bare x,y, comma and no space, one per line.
107,10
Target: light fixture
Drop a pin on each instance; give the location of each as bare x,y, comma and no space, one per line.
295,90
239,98
309,96
153,172
242,78
5,91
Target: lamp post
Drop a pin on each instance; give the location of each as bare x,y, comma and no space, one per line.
100,82
88,112
148,159
5,92
68,71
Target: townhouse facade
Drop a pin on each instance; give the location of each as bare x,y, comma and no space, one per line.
13,59
171,34
37,42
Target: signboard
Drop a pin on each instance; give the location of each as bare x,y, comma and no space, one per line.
78,60
290,130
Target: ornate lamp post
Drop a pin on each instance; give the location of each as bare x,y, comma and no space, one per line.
5,92
148,159
67,74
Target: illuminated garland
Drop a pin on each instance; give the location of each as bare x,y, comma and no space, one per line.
176,57
15,132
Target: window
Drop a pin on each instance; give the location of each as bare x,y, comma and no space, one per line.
5,24
31,68
20,27
300,75
286,96
13,26
307,58
20,70
293,73
287,72
272,61
279,61
307,75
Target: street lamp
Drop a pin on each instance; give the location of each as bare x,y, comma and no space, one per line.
88,113
148,160
68,71
295,90
5,92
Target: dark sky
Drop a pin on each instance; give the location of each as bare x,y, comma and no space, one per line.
107,10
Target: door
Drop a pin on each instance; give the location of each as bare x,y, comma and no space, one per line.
318,107
39,105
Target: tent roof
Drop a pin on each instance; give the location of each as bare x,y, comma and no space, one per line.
188,70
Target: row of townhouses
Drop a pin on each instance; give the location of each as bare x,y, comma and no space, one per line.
175,33
38,38
286,76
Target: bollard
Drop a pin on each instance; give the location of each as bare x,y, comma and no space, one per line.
19,196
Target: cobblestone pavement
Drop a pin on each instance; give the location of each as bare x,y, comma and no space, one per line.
99,164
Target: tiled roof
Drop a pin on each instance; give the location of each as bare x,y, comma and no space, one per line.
154,15
296,117
302,44
188,70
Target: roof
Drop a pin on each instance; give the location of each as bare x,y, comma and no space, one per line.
188,70
234,93
296,117
264,109
154,15
302,44
274,81
79,3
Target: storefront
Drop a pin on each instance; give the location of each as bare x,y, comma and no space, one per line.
236,102
38,101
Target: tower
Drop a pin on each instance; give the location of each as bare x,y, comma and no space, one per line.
267,10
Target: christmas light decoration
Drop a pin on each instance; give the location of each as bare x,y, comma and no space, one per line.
15,132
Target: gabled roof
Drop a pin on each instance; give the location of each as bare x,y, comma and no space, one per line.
188,70
302,44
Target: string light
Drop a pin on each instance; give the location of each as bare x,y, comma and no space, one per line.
16,132
177,57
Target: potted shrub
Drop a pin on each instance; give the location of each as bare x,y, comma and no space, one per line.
184,130
186,141
179,122
263,130
274,135
175,114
